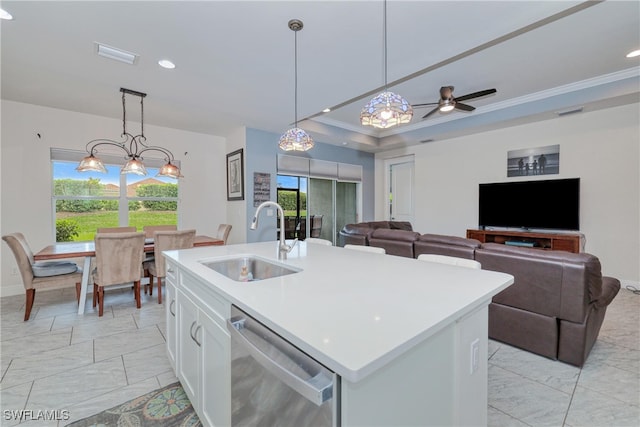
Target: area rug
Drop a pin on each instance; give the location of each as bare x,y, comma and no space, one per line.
166,407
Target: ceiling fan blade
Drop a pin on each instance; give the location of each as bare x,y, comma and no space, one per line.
475,94
430,112
464,107
424,105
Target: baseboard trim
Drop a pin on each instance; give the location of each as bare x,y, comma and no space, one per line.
7,291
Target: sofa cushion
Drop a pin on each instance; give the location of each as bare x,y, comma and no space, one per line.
446,245
394,242
53,268
400,225
377,224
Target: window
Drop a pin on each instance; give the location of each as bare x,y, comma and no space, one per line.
85,201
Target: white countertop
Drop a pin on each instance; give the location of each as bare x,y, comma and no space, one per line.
352,311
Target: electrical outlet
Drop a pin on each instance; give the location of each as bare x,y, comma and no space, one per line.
474,356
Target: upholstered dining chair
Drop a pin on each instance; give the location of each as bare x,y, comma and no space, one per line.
150,229
116,230
165,241
118,261
223,232
451,260
148,235
46,275
318,241
372,249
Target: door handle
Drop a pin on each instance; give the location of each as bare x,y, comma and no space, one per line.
193,334
173,313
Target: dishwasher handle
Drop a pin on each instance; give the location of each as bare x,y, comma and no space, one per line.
317,389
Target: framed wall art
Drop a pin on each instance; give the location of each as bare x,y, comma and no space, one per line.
235,175
534,161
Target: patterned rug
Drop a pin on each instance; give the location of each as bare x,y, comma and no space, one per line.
165,407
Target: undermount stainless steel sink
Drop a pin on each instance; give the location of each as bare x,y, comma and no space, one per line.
249,268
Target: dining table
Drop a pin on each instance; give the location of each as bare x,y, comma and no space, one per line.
87,250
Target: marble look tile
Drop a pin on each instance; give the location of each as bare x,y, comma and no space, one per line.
167,378
40,365
613,382
103,327
77,385
36,343
496,418
526,400
147,363
13,328
624,358
111,399
127,342
590,408
153,314
13,399
493,347
549,372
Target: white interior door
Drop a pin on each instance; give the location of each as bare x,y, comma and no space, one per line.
401,183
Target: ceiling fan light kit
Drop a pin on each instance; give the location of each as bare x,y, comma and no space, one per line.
295,139
386,109
448,102
133,146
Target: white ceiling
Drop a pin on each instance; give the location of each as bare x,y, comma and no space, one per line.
235,62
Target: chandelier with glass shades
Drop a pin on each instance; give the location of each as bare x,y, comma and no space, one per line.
386,109
295,139
133,146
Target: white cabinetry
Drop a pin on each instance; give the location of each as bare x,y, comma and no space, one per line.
203,351
170,306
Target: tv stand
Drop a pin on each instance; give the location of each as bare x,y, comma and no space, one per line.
571,242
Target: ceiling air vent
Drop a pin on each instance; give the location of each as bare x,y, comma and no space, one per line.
116,54
571,110
424,141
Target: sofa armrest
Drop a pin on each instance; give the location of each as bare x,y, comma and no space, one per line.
610,288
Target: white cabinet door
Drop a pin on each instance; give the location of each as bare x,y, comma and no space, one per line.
188,371
172,324
216,372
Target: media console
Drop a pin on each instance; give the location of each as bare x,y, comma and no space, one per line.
571,242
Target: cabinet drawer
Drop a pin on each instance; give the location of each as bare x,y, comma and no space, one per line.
216,306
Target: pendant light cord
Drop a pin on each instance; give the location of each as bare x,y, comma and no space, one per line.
384,34
295,56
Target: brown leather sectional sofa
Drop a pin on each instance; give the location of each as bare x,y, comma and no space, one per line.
555,307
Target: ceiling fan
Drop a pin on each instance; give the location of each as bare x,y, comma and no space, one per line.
448,102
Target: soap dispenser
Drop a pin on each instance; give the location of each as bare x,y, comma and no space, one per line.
244,274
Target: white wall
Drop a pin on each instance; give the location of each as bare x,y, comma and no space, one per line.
601,148
26,191
236,209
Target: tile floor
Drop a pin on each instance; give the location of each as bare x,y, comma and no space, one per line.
80,365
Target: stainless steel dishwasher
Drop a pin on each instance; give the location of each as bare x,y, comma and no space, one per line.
273,383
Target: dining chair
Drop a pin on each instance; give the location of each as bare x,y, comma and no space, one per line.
372,249
150,229
164,241
318,241
118,262
223,232
116,230
44,275
451,260
148,235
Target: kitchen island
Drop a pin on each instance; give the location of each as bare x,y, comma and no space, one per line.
407,338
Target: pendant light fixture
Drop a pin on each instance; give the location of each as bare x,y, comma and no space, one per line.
133,146
386,109
295,139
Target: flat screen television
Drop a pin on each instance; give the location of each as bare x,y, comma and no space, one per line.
547,204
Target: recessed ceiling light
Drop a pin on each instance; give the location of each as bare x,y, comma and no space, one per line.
326,110
633,54
115,53
5,15
165,63
345,143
